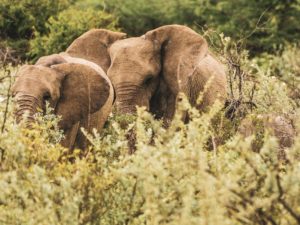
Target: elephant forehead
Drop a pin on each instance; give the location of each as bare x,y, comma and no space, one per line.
40,73
30,86
132,47
132,69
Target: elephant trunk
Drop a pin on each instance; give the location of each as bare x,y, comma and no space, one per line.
26,106
125,107
125,98
128,106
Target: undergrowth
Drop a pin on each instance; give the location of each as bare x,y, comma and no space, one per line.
202,172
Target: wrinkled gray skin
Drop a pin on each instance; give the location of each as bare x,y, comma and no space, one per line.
152,69
74,83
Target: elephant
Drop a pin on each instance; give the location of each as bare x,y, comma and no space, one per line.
151,71
75,84
278,126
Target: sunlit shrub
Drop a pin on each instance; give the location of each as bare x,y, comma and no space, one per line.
171,179
251,87
286,67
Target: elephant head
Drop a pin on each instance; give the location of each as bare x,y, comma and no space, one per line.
73,90
152,69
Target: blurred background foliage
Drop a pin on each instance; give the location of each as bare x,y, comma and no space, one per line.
269,23
19,19
66,27
33,28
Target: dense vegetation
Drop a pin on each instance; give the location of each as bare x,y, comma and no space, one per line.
33,28
202,172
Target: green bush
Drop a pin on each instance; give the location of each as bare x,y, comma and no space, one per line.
19,19
67,26
260,25
251,86
264,26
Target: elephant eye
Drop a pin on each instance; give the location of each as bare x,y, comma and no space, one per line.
47,96
148,80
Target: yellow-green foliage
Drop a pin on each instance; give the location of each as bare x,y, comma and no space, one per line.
286,67
174,180
195,173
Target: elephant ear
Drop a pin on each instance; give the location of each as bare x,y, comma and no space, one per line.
50,60
93,46
181,49
83,92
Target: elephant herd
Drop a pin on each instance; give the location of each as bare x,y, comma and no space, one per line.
102,70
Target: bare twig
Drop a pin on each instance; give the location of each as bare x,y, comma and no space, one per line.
7,56
252,96
3,78
4,62
283,202
2,153
7,102
132,199
256,26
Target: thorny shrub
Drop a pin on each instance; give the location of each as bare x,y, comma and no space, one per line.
174,177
